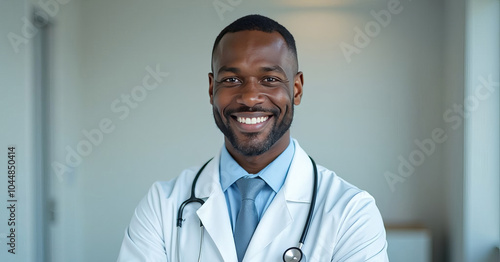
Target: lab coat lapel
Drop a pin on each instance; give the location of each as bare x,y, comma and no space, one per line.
213,214
297,189
299,182
276,219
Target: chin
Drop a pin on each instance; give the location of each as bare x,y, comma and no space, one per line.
254,144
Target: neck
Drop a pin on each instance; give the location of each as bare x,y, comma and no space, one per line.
254,164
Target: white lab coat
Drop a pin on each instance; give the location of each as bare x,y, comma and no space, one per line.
346,224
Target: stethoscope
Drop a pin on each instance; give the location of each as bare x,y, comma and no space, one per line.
292,254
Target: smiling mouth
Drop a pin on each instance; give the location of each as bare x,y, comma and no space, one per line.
252,120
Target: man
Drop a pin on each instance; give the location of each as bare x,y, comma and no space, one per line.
253,88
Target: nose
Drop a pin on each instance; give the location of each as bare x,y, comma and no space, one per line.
250,94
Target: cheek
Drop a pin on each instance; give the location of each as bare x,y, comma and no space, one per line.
282,99
221,100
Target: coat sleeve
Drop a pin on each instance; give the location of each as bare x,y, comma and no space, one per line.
361,235
143,239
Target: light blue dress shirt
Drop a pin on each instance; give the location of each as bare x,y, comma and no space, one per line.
273,174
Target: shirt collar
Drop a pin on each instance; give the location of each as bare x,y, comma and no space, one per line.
273,174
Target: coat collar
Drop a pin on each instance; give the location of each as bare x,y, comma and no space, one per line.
209,182
297,187
299,181
215,217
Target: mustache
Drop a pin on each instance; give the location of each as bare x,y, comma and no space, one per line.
241,109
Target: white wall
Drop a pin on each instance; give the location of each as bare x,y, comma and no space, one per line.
358,118
454,148
472,152
482,132
23,122
67,114
17,118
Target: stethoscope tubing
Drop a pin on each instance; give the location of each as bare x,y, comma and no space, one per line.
313,203
194,199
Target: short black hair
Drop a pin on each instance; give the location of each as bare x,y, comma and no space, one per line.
258,23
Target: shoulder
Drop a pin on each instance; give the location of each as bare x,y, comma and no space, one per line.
343,197
333,190
359,228
170,188
164,196
338,186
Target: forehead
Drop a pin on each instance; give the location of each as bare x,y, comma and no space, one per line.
248,48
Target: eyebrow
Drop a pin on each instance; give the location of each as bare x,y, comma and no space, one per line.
236,70
228,69
275,68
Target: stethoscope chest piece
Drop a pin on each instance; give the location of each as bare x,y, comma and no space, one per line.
293,254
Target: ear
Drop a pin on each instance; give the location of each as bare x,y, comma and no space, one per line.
298,82
211,87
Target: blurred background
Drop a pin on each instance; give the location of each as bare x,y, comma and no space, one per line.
102,98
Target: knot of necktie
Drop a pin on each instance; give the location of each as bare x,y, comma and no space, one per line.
249,187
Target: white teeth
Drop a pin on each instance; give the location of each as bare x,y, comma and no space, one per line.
253,120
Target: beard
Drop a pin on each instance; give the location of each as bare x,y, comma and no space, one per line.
251,145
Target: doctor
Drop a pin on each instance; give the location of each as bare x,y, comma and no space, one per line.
253,87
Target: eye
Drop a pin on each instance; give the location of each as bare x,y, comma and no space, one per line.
270,79
230,80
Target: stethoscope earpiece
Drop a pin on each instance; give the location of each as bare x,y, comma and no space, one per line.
293,254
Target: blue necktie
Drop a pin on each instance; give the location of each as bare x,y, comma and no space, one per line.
247,218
